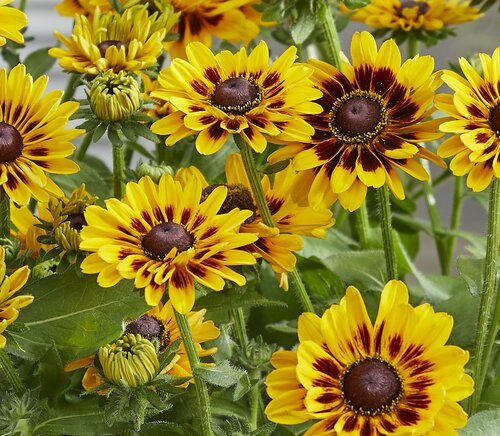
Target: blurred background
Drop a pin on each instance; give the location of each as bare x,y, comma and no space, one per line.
477,36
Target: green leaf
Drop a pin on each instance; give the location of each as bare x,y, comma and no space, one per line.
73,313
304,25
484,423
471,270
95,174
225,408
356,4
223,374
276,168
264,430
242,387
233,298
39,62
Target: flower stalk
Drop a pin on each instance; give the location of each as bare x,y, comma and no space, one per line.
384,206
4,214
118,168
260,198
10,372
84,145
200,384
486,331
331,35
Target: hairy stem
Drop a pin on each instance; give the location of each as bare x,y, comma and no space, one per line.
386,227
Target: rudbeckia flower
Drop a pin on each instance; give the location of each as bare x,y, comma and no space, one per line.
351,377
159,324
373,121
10,304
73,8
475,107
33,136
409,15
293,219
200,20
163,235
11,22
129,42
218,95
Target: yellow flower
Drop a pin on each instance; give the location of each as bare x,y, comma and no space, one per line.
394,377
372,123
218,95
159,323
291,218
10,305
11,22
200,20
34,138
73,8
409,15
164,234
130,42
475,109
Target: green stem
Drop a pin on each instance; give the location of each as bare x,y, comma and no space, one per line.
362,226
456,213
255,400
71,86
413,46
384,206
118,166
201,386
84,145
436,226
4,214
10,372
161,152
331,34
240,327
265,213
485,333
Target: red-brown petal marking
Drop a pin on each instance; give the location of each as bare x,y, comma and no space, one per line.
495,120
11,143
371,386
236,96
423,7
327,366
163,237
103,46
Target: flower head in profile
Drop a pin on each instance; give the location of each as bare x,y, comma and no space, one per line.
201,20
11,22
33,136
218,95
165,235
10,304
73,8
373,122
158,325
293,219
396,376
131,42
416,16
475,109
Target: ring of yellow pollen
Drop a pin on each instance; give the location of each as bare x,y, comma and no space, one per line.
236,96
358,117
158,242
371,387
11,143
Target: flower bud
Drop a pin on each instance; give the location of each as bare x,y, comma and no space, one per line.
113,96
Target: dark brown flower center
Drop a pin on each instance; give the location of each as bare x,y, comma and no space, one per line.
165,236
236,96
11,143
76,221
495,120
238,196
146,326
423,7
103,46
359,116
371,386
